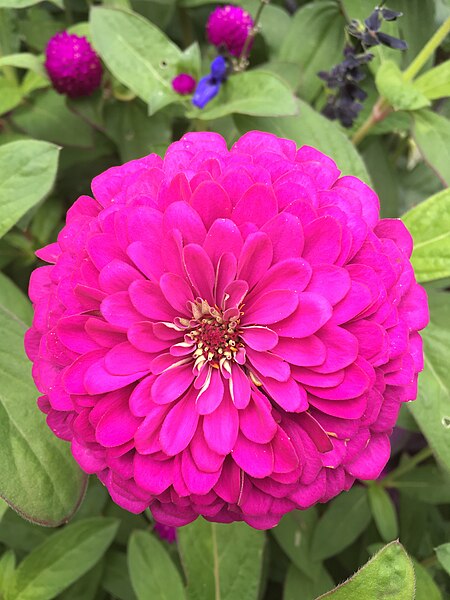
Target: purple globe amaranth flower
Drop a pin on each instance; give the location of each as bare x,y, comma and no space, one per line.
72,65
229,26
183,84
166,532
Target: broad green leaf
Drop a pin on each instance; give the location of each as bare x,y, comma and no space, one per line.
86,588
153,574
49,119
312,129
21,535
427,484
343,521
400,94
432,409
429,225
14,300
435,83
443,555
9,34
24,60
426,589
294,534
300,587
27,172
134,132
138,54
383,512
314,41
274,23
432,134
26,3
33,81
62,559
384,175
388,575
116,579
221,562
416,26
7,566
38,25
38,476
10,95
256,93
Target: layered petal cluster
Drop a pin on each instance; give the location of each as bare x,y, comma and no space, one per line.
228,27
72,65
227,333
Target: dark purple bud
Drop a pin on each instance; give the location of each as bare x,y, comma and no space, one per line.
392,42
390,15
373,23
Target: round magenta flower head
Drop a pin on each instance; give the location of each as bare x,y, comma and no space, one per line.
183,84
229,26
72,65
227,333
166,532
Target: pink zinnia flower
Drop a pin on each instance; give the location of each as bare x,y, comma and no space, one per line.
227,333
229,26
72,65
184,84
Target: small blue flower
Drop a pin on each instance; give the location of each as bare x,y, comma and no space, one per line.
208,87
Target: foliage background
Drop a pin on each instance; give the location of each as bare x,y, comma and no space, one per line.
51,147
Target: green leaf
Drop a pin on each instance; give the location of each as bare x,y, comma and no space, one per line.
435,83
443,556
221,562
27,172
10,95
427,484
26,3
426,589
314,41
257,93
432,409
383,512
48,118
62,559
85,588
312,129
416,26
116,579
274,23
299,587
429,225
294,534
38,476
432,134
7,566
401,94
14,300
344,520
388,575
137,53
153,574
24,60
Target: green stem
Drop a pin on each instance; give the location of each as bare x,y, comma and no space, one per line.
243,58
380,111
407,467
433,43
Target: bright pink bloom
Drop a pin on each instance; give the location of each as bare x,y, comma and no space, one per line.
183,84
229,26
227,333
72,65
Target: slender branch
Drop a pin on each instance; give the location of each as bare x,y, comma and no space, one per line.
407,467
380,111
433,43
243,58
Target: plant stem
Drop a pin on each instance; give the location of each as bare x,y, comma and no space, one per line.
407,467
243,58
380,111
423,56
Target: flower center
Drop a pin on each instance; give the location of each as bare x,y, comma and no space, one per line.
216,337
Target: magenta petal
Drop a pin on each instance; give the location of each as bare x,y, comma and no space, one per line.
183,217
255,258
270,308
222,234
117,276
291,274
257,205
286,234
147,258
315,432
172,383
239,387
196,481
104,333
118,310
71,332
285,456
234,294
221,427
354,384
329,281
140,400
179,425
206,459
148,299
142,336
211,394
259,338
73,378
342,348
322,241
288,394
256,421
99,380
269,365
211,202
304,352
372,460
152,475
312,312
254,459
125,359
200,271
177,292
116,427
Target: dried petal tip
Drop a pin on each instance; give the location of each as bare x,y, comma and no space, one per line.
72,65
229,26
183,84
